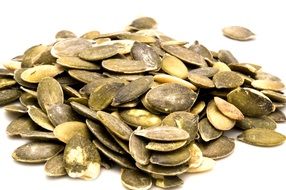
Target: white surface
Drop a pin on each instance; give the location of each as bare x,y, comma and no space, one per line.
25,23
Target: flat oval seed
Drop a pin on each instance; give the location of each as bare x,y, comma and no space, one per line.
219,148
98,53
164,170
84,76
83,110
262,137
165,146
135,179
259,122
275,96
238,33
140,117
205,71
37,73
226,56
65,131
228,109
202,50
118,158
77,63
36,152
277,116
39,117
132,90
16,108
81,158
163,133
138,150
163,78
125,66
49,93
103,136
54,167
20,81
174,66
4,83
196,156
9,95
201,81
115,125
227,79
169,182
250,102
171,97
268,85
207,131
206,165
217,119
21,125
143,23
173,158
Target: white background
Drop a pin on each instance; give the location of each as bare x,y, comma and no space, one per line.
24,23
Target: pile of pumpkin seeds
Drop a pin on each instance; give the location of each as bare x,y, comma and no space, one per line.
155,106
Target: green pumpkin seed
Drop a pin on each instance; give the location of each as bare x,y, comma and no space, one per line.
125,66
117,158
65,131
103,136
222,67
244,68
196,156
115,125
169,182
21,125
204,71
83,110
18,79
98,53
54,167
171,97
234,80
277,116
174,66
64,34
250,102
218,149
77,63
138,150
9,95
36,152
81,158
275,96
135,179
201,81
259,122
137,37
163,133
143,23
49,93
202,50
238,33
207,131
217,119
4,83
262,137
165,146
90,35
84,76
268,85
226,57
228,109
16,108
40,118
198,108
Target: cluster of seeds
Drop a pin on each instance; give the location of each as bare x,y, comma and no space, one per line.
155,106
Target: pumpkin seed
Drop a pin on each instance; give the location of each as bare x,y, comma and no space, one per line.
261,137
202,50
164,170
207,131
250,102
238,33
4,83
125,66
171,97
9,95
243,68
169,182
204,71
234,80
16,108
143,23
21,125
81,158
174,66
18,79
65,131
138,150
98,53
64,34
135,179
201,81
40,118
36,152
54,167
275,96
228,109
84,76
259,122
277,116
83,110
206,165
165,146
77,63
198,108
196,156
268,85
226,56
217,119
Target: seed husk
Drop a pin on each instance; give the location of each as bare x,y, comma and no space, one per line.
198,108
84,76
238,33
132,90
164,170
18,79
165,146
77,63
234,80
36,152
171,97
40,118
103,136
98,53
243,68
54,167
81,158
169,182
262,137
217,119
64,34
21,125
277,116
65,131
196,156
228,109
202,50
201,81
143,23
173,158
185,54
204,71
5,82
226,56
49,93
125,66
274,96
9,95
16,108
83,110
140,117
250,102
256,122
163,133
207,131
135,179
115,125
138,150
221,67
218,149
37,73
118,158
268,85
174,66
